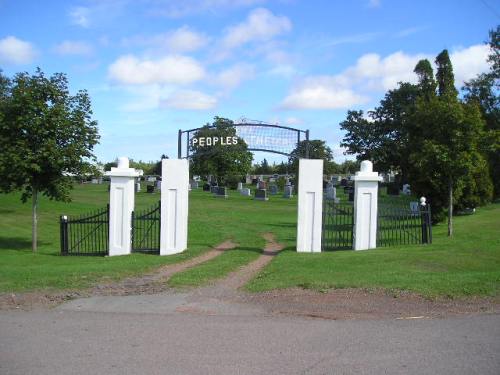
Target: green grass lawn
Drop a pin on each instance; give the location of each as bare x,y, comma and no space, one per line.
211,221
468,264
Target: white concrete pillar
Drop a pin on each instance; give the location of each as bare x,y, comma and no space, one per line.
365,207
174,206
310,208
121,205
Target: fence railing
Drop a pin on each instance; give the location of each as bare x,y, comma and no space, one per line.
146,230
85,234
403,225
338,223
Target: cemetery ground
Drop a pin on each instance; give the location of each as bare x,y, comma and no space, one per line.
461,274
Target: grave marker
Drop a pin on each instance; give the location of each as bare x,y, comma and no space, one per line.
261,195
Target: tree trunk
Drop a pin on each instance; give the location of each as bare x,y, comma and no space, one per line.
34,221
450,208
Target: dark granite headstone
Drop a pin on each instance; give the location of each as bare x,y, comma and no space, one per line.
261,195
206,187
221,192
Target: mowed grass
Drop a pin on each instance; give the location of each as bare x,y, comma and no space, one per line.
211,221
467,264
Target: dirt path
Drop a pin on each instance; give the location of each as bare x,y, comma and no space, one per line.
151,283
225,297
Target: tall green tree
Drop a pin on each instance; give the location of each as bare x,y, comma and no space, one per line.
448,150
383,136
221,160
46,137
484,90
317,150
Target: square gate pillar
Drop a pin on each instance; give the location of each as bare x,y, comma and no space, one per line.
365,207
121,205
310,208
174,206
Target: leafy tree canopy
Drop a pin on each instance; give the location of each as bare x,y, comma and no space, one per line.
221,160
47,136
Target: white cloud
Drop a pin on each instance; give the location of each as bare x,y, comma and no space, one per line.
173,69
315,93
80,16
469,62
190,99
74,47
260,25
233,76
182,39
177,9
16,51
373,73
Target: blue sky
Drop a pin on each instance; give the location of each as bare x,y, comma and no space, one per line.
155,66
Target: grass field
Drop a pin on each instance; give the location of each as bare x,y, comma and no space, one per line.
468,264
211,221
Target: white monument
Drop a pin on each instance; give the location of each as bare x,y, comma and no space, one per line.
365,207
174,206
121,205
310,208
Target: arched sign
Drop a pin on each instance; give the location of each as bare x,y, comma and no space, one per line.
258,136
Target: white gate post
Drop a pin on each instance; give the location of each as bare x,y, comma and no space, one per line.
310,207
121,205
365,207
174,206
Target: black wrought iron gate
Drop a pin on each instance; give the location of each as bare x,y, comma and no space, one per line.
338,223
146,230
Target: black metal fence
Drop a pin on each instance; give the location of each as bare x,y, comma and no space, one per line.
338,223
403,224
146,230
85,234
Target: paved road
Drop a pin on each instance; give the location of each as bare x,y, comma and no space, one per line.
91,337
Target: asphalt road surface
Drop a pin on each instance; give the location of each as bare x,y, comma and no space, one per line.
154,336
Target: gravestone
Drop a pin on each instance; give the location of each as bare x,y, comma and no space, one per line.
221,192
206,187
406,189
261,195
248,179
95,181
273,189
137,187
331,193
414,207
158,185
288,191
213,189
240,186
150,188
245,192
343,182
194,185
254,181
262,185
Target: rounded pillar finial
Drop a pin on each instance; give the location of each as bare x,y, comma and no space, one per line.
423,201
366,166
123,162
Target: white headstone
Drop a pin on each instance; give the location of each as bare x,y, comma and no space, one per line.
240,185
245,192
